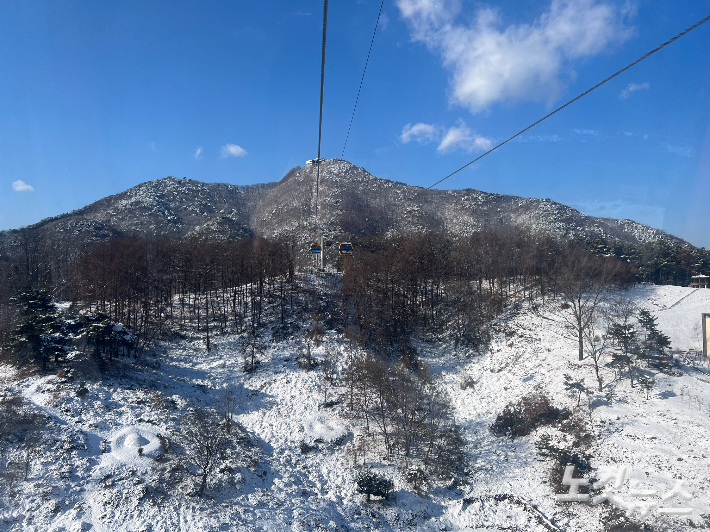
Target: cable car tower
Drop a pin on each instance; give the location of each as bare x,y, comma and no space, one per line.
344,248
315,248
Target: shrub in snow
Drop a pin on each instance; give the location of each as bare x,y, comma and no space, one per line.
305,448
416,477
23,429
467,381
369,483
164,443
159,402
521,418
82,390
11,412
562,456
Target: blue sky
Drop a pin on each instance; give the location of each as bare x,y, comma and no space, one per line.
96,97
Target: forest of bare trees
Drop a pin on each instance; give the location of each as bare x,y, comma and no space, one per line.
149,285
155,285
438,285
430,284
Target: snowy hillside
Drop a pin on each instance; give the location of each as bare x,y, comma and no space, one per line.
107,466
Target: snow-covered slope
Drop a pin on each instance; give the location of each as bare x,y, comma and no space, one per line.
90,476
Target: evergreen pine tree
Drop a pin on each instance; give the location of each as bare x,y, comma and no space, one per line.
648,322
654,340
647,382
621,361
39,336
575,388
624,335
659,341
103,337
370,483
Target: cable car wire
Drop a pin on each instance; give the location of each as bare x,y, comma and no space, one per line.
578,97
320,118
377,23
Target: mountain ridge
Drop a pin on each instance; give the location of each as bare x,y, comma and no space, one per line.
352,203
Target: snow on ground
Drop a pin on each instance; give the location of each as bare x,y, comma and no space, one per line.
92,477
678,310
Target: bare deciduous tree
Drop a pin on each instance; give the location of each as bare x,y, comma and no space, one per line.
305,358
227,407
596,345
31,448
205,443
584,281
411,414
329,372
252,349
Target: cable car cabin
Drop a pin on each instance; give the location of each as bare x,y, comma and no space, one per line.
346,248
315,249
328,243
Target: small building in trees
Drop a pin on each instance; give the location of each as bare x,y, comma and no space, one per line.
699,281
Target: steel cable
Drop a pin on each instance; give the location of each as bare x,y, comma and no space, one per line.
578,97
362,78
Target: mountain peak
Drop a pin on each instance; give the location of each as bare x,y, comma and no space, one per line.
348,201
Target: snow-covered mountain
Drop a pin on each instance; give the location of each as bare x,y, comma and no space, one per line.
351,201
354,202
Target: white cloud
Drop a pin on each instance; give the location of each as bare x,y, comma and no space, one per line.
683,151
586,132
491,63
451,139
633,87
198,153
461,137
539,138
422,133
384,21
232,150
425,17
21,186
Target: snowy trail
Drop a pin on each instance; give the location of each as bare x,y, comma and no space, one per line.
681,299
